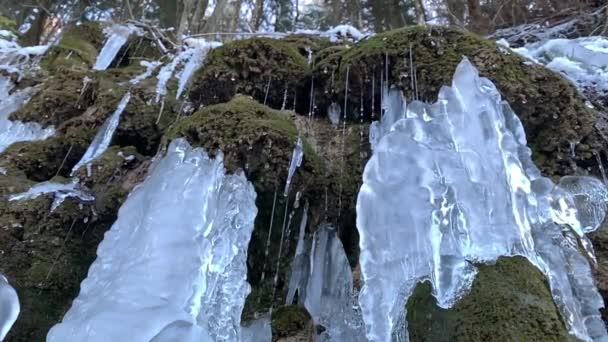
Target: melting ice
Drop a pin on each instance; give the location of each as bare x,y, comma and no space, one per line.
452,184
9,306
173,265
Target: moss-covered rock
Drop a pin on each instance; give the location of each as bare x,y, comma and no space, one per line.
552,111
8,24
291,321
509,301
267,69
77,49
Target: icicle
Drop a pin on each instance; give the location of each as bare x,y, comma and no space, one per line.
117,37
299,265
275,280
103,138
59,191
268,90
330,298
296,161
333,112
284,99
196,56
600,164
173,265
10,308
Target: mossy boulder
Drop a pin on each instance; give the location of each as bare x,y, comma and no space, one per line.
509,301
553,113
293,322
269,70
77,49
8,24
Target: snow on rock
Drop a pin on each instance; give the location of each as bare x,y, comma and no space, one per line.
343,32
59,191
103,138
584,61
117,37
173,265
452,184
9,306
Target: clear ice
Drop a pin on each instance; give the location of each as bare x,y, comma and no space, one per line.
173,265
330,298
103,138
294,164
452,184
60,192
257,331
117,38
299,265
9,306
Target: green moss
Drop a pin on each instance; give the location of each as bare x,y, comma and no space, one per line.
509,301
8,24
77,49
289,321
246,67
536,94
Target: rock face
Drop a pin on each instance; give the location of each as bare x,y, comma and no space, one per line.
46,255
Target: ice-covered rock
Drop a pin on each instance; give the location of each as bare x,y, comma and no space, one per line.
173,265
584,61
103,138
452,184
117,37
9,306
60,192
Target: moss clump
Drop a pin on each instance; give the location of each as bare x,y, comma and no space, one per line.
77,49
260,67
8,24
509,301
288,321
552,111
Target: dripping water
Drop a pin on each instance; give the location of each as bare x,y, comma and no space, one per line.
267,249
343,142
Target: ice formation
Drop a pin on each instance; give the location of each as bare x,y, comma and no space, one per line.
9,306
333,112
117,38
60,192
257,331
192,56
103,138
150,67
330,298
299,265
294,164
584,61
453,183
173,265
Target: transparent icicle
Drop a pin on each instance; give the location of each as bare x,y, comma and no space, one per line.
294,164
60,192
103,138
117,37
299,265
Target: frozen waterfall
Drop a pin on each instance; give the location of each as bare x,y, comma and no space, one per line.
452,184
173,265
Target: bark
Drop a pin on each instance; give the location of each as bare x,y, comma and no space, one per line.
258,15
477,22
197,22
183,22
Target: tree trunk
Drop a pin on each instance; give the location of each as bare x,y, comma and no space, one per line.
258,15
477,21
420,13
183,22
196,24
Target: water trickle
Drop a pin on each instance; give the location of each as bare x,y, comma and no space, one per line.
269,237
